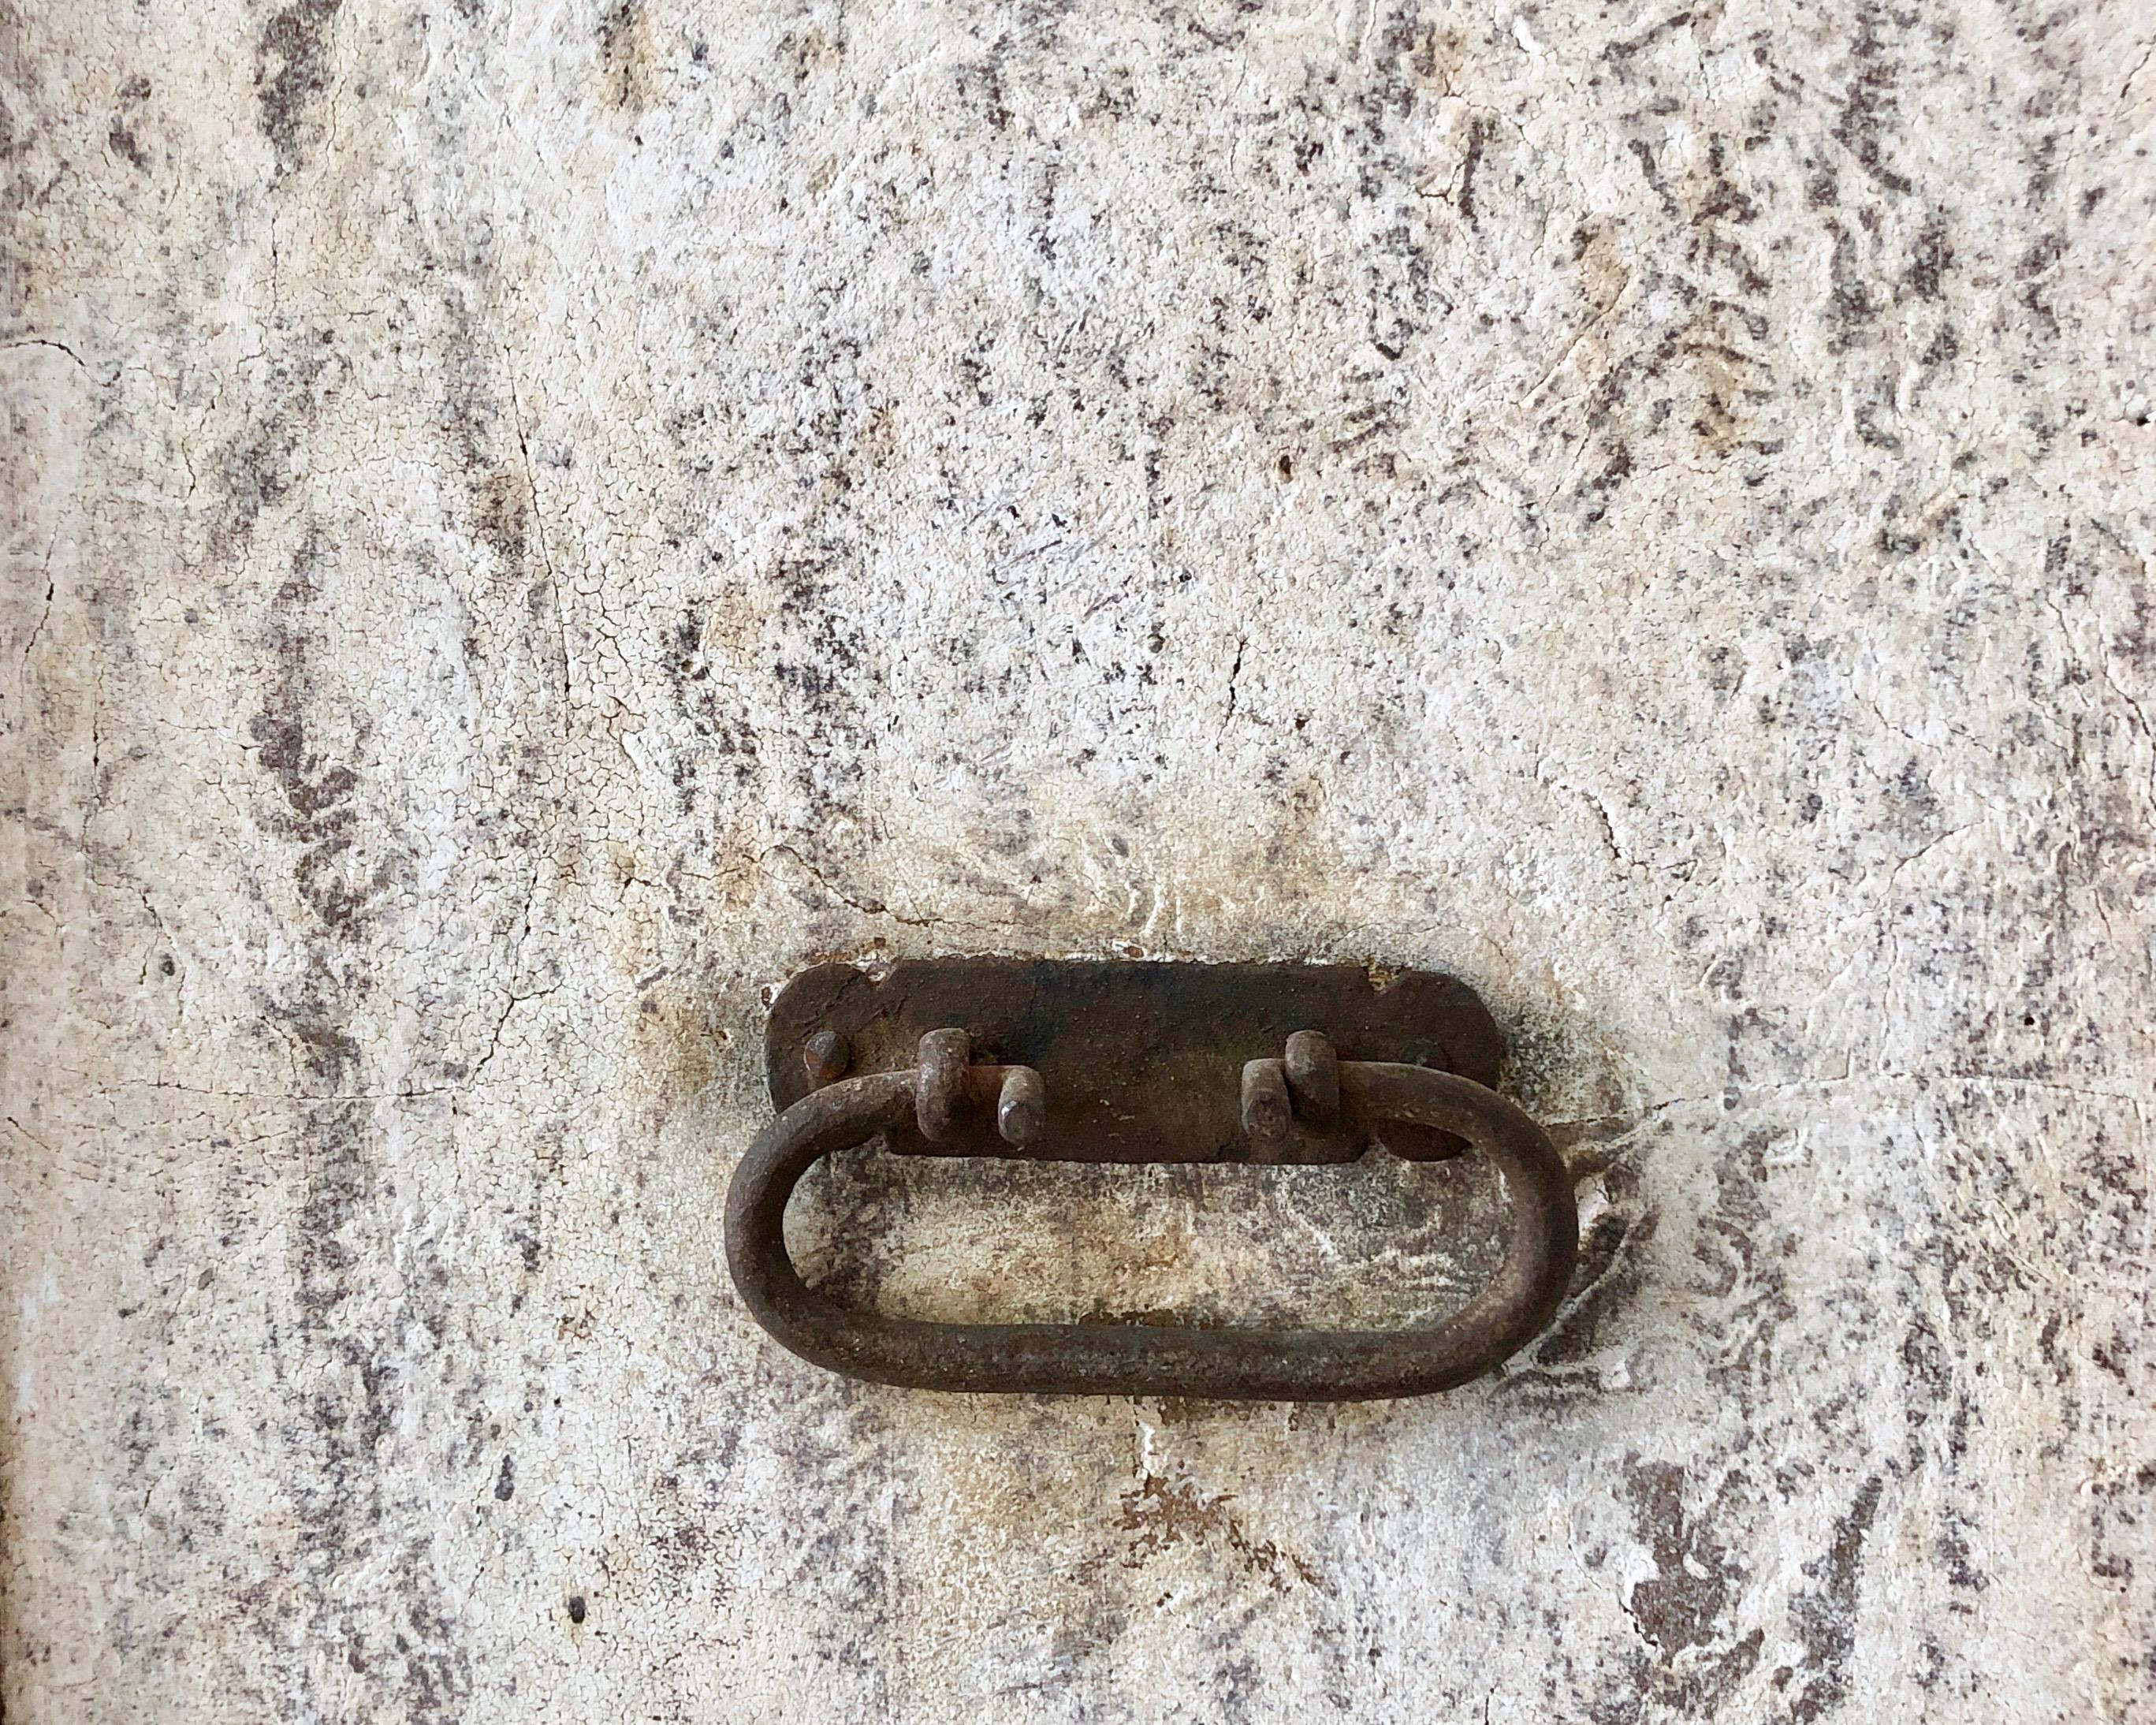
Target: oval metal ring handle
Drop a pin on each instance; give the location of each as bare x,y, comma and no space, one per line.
1228,1364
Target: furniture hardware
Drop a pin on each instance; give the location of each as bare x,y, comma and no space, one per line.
1093,1061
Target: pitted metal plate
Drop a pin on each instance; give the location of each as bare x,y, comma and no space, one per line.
1138,1059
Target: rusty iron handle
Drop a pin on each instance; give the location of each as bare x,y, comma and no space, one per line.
1228,1364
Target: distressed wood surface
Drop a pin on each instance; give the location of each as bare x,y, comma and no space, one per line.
528,523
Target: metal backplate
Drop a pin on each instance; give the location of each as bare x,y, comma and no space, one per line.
1140,1059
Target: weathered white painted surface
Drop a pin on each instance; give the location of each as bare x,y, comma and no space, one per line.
527,523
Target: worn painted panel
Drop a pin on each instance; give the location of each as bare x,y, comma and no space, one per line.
528,524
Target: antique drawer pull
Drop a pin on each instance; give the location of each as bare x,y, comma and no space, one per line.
1148,1037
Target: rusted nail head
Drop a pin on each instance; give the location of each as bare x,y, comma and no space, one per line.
827,1055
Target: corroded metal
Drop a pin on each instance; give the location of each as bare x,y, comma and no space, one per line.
826,1056
1108,1075
1132,1055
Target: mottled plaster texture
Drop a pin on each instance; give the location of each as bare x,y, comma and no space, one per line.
527,523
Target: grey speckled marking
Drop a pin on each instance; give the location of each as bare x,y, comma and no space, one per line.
529,525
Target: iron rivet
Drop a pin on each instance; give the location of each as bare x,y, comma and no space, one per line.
827,1055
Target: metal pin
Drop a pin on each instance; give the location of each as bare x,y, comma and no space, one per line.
1022,1109
1314,1076
827,1055
1266,1112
